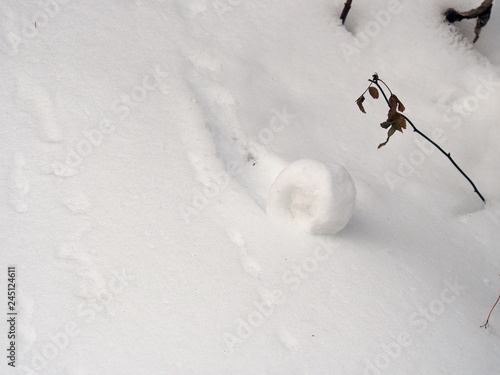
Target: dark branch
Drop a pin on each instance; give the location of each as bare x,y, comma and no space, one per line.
482,13
347,7
375,81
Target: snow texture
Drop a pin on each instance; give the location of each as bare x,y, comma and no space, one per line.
318,198
139,141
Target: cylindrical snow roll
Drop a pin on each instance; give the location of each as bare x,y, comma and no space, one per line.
318,198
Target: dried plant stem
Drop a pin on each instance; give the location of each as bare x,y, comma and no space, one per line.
375,80
345,11
485,325
482,13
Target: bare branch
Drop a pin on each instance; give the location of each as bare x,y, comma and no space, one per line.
347,7
395,120
482,13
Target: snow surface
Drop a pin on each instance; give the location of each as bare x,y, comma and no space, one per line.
139,140
319,199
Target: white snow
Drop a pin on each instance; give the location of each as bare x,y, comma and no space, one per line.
318,198
139,141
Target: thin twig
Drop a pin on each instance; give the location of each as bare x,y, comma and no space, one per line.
379,80
485,325
347,7
447,154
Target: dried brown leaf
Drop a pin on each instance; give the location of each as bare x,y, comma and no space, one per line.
393,101
359,102
396,123
373,92
400,123
386,124
401,107
391,131
393,104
